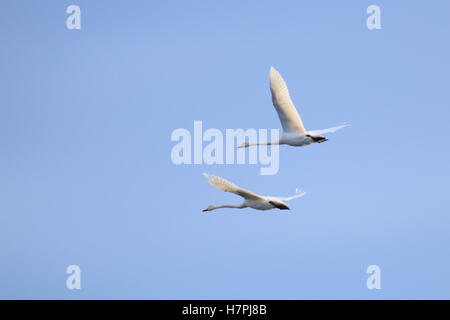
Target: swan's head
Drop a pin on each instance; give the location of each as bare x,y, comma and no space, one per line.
279,205
209,208
317,138
283,207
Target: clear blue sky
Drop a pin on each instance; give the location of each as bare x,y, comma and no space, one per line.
86,176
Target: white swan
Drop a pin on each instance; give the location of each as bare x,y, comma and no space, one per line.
252,200
294,133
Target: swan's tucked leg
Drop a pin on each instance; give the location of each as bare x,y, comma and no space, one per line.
236,206
249,144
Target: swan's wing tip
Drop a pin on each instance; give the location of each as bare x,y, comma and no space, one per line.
273,71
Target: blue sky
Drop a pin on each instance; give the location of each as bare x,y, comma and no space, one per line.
85,123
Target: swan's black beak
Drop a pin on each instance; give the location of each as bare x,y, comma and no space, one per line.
318,139
280,206
204,210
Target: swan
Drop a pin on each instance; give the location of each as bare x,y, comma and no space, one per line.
294,133
252,200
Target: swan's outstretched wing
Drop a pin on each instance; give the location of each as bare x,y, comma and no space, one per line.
227,186
299,193
289,118
329,130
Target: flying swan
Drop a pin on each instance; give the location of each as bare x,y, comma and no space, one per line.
252,200
294,133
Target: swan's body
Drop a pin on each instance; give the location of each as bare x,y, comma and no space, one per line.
294,133
251,200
